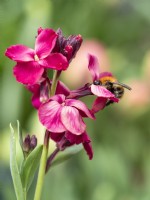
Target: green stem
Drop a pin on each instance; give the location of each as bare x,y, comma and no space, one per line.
25,193
56,76
43,161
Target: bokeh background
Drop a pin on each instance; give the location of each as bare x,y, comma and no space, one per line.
118,32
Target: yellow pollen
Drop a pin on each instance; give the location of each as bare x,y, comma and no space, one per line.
36,58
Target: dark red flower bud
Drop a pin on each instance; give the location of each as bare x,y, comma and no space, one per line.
33,142
67,46
68,50
75,41
29,144
26,144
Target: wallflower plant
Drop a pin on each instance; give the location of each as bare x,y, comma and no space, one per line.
61,110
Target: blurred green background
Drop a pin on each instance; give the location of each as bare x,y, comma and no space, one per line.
120,169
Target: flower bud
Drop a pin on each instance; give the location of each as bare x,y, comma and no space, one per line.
75,42
33,142
26,144
29,144
67,46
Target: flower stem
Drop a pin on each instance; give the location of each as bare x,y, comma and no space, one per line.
25,193
41,174
51,158
56,76
40,180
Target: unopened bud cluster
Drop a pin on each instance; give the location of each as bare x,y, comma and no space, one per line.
29,143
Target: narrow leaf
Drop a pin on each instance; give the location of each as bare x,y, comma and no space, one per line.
20,136
30,166
14,167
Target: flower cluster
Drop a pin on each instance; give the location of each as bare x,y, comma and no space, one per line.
59,108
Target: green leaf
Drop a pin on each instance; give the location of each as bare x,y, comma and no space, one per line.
67,154
14,167
20,136
30,166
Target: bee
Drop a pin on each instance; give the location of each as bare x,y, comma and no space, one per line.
111,84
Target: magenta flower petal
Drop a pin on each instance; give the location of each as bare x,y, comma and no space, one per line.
72,120
49,115
80,106
88,148
35,89
62,89
40,30
114,99
60,98
85,137
72,137
57,136
40,93
45,42
101,91
20,53
28,72
55,61
78,139
93,67
99,104
104,74
36,101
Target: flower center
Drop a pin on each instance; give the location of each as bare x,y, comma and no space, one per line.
43,99
36,58
63,104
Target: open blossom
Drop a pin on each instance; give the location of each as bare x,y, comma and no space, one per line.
67,139
60,114
31,63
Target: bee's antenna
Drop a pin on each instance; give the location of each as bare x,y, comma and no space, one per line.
123,85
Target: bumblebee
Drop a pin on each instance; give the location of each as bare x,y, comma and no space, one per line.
111,84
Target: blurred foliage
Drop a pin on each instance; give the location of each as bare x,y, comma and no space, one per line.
120,169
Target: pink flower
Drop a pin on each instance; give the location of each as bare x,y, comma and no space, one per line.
31,63
60,114
66,139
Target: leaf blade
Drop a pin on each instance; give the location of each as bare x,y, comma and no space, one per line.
14,167
30,166
20,136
